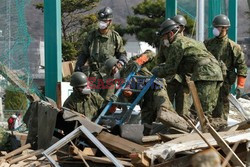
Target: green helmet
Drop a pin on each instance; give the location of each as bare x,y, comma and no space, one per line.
179,19
167,26
109,63
221,21
105,14
78,79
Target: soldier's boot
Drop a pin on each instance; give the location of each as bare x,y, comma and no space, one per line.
147,129
219,124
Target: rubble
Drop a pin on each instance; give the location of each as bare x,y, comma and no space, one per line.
91,144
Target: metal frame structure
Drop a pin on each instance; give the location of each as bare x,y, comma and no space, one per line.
75,133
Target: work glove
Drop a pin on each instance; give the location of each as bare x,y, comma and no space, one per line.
239,92
155,71
240,86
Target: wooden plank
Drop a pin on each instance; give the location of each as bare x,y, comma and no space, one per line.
79,152
17,151
20,158
139,160
193,142
225,147
118,144
228,157
151,138
168,137
58,95
102,160
197,104
89,151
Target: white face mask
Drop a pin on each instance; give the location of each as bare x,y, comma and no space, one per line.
216,32
117,75
166,42
103,25
86,91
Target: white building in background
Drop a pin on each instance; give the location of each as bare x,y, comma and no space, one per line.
135,48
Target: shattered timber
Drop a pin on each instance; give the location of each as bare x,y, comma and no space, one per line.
93,145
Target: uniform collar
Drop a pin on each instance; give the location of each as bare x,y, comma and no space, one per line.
221,39
103,35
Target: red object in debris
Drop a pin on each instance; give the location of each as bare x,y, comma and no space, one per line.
11,122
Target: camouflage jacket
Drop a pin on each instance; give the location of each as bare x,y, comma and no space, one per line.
162,54
189,57
230,53
88,105
97,48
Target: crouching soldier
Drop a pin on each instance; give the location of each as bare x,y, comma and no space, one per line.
81,100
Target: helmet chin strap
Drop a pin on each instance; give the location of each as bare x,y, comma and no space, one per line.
170,39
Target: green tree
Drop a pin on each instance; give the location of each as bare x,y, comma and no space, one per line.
76,19
15,99
147,19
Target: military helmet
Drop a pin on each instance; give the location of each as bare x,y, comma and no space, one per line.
167,26
221,21
78,79
179,19
105,14
109,63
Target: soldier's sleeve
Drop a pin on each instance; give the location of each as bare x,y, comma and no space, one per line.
120,51
69,104
169,68
160,57
239,62
99,100
83,55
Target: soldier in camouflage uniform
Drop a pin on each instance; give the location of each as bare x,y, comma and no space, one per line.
99,45
190,58
231,54
83,100
156,99
177,92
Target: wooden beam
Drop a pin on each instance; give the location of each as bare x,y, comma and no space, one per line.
17,151
228,157
23,157
197,104
225,147
118,144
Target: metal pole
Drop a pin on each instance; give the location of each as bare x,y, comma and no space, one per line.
232,32
53,46
214,8
171,8
232,14
200,20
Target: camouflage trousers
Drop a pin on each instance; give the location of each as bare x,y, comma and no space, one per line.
152,103
98,80
180,97
222,108
208,92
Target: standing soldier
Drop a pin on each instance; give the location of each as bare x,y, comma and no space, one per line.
188,57
231,54
178,93
101,44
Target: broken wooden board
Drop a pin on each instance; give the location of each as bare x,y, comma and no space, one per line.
192,142
140,160
118,144
102,160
